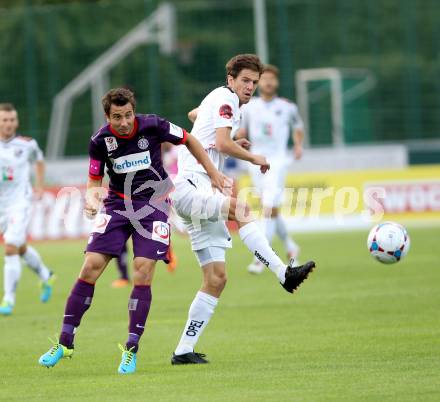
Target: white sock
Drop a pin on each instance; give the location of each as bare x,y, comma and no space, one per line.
268,225
199,315
291,246
257,243
12,272
33,260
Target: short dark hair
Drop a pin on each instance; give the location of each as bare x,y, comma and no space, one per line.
242,61
7,107
118,97
270,68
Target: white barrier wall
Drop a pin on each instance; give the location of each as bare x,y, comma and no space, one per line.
59,213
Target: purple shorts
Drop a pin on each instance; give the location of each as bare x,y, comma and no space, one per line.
116,222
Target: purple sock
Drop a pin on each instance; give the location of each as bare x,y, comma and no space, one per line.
138,308
121,262
77,304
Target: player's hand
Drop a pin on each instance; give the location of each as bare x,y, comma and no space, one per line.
93,201
244,143
261,161
221,182
298,151
90,211
228,186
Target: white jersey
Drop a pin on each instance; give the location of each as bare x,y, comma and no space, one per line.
269,125
220,108
16,157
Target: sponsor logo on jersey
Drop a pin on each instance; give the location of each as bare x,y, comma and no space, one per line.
111,143
7,173
161,232
94,167
261,258
132,163
176,131
225,111
143,143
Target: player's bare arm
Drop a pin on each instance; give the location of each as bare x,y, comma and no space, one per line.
241,133
243,142
94,196
218,179
192,115
226,145
241,138
39,179
298,139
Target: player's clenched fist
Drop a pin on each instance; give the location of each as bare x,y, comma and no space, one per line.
93,199
89,211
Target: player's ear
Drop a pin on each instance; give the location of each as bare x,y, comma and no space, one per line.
107,118
230,80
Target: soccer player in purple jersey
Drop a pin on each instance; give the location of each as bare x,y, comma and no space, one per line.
137,205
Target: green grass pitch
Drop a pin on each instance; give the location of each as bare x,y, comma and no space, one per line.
356,330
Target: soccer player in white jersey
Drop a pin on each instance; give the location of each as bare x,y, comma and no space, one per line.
268,121
204,210
17,155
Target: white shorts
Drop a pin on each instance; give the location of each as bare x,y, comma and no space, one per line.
270,186
14,222
210,254
201,210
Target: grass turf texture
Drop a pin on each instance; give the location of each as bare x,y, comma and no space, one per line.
357,330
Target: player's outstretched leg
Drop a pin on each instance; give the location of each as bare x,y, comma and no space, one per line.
296,274
257,243
257,267
289,276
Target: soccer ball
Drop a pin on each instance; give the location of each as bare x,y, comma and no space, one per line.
388,242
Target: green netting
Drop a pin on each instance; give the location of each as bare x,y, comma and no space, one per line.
43,47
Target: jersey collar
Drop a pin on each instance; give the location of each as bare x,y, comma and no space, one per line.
8,140
225,86
126,137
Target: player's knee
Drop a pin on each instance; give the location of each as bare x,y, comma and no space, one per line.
143,265
90,269
218,281
143,271
239,211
